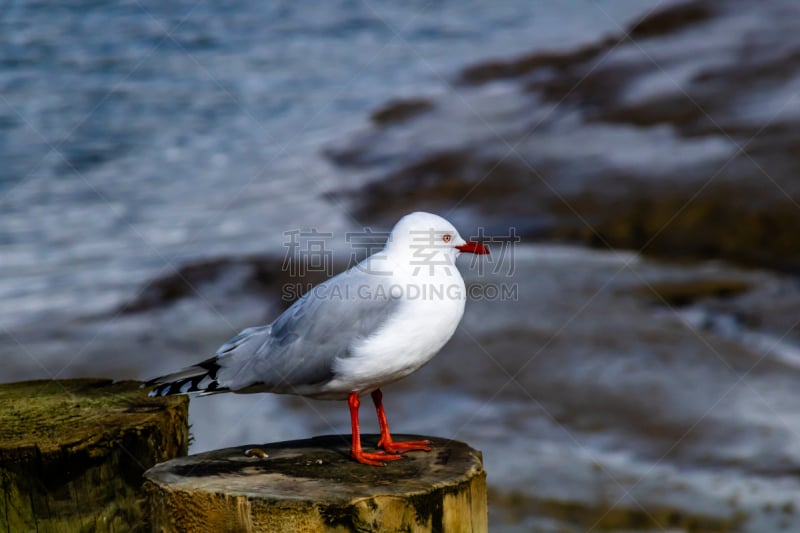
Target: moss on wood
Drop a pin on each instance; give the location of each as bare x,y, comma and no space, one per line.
72,452
313,485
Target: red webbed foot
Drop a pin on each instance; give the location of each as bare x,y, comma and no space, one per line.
374,459
401,447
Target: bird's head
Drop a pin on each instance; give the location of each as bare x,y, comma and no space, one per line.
429,239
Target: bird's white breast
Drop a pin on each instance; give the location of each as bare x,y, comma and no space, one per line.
422,324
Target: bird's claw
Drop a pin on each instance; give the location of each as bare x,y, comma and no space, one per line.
410,446
375,459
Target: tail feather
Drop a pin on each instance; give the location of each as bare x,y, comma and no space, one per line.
201,377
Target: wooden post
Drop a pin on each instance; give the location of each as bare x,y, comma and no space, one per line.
314,486
72,452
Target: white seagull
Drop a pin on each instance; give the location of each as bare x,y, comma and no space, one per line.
367,327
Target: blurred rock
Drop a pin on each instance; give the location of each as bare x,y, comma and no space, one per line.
678,136
668,20
223,277
400,110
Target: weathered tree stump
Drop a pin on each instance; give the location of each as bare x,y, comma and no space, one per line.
72,452
313,485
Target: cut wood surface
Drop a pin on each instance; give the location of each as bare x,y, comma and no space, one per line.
313,485
72,452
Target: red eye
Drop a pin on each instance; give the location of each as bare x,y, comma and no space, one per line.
447,237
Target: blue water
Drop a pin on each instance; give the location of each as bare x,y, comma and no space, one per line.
137,135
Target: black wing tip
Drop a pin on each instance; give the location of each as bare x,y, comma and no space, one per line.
167,386
203,384
211,366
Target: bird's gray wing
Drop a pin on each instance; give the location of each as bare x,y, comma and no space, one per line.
299,348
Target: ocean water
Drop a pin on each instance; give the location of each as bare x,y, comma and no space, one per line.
138,135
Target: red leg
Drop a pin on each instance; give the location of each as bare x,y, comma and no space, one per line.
386,441
374,459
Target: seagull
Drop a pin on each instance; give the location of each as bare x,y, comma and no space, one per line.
367,327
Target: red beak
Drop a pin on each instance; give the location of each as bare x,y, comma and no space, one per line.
472,247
